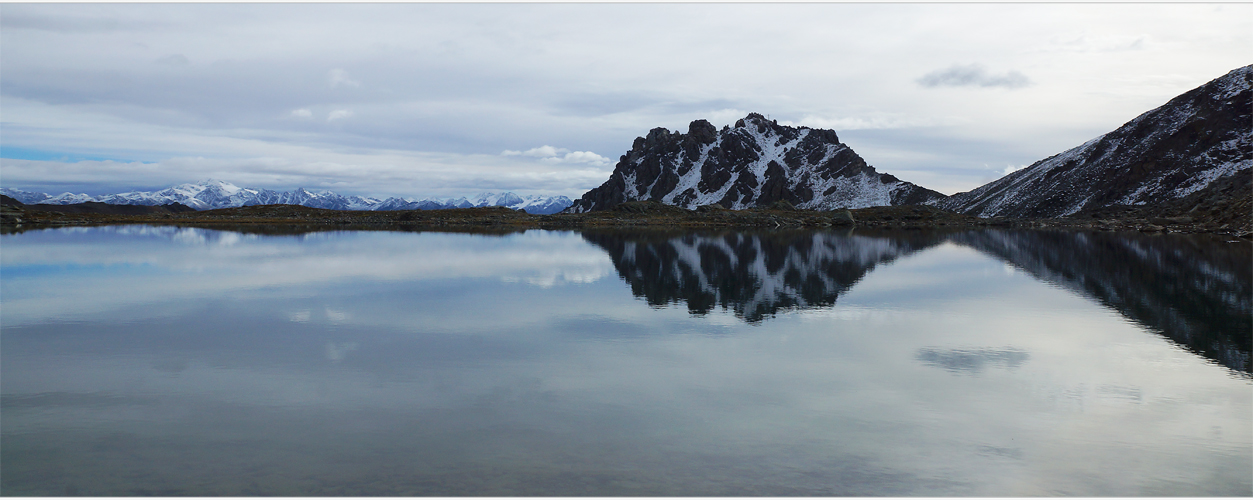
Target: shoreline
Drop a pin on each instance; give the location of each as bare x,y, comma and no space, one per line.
627,215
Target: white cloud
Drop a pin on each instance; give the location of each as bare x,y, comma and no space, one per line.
552,155
340,77
1009,169
338,114
302,113
587,157
544,151
879,122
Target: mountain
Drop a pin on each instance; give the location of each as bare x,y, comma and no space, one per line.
1197,148
211,194
756,163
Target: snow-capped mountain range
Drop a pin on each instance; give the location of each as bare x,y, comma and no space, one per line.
211,194
1199,139
756,163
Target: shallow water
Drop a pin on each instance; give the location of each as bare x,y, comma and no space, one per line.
140,360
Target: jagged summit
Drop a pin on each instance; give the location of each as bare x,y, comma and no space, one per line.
1195,150
757,162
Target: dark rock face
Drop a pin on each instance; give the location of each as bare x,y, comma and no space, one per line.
1167,154
756,163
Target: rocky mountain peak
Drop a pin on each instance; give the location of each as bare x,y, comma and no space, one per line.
757,162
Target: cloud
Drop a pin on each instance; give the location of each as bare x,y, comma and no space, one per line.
585,157
477,79
540,152
1104,43
173,60
549,154
340,77
973,75
1009,169
338,114
875,122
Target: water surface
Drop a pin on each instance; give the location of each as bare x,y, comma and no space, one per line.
142,360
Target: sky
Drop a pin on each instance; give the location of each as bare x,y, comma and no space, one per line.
447,100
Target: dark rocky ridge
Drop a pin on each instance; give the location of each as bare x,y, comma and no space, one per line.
14,211
756,163
1191,157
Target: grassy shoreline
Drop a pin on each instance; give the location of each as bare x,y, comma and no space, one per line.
627,215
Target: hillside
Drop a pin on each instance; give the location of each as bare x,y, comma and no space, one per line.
1191,157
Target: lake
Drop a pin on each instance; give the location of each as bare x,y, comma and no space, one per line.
140,360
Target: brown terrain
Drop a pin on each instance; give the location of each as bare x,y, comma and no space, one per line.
295,218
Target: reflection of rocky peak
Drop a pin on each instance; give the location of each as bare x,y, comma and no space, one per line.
755,275
1199,297
755,163
1194,291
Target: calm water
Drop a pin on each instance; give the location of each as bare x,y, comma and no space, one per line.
139,360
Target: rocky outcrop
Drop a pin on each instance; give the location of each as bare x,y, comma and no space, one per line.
756,163
1198,146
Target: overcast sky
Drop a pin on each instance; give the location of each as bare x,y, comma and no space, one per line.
454,99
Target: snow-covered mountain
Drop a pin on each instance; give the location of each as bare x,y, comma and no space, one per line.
1197,142
31,197
754,275
755,163
212,194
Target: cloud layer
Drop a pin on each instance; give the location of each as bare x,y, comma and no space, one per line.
238,85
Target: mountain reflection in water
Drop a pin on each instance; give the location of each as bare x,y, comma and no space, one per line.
1195,291
755,275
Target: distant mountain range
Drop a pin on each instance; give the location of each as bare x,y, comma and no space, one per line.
212,194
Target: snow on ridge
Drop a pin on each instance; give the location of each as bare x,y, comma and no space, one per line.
757,162
1139,163
211,194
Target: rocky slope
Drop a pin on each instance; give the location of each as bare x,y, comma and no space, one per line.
1198,147
756,163
212,194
